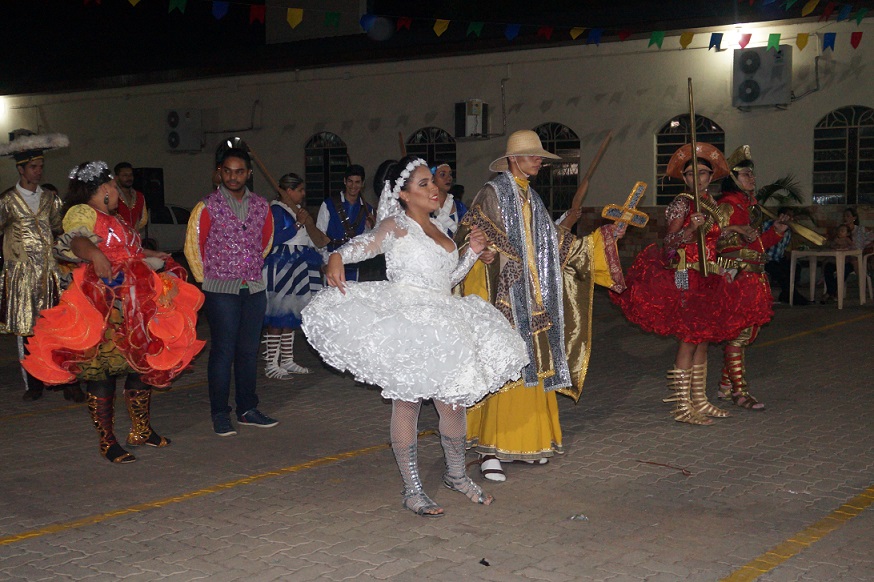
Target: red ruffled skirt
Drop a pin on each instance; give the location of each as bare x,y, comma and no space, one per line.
712,309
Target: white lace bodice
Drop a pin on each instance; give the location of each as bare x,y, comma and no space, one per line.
411,256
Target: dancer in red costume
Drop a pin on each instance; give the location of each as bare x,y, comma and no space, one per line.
118,317
666,294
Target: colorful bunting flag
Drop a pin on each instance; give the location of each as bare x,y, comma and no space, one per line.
545,32
789,3
134,2
366,22
177,5
594,36
475,28
844,14
774,41
512,31
577,31
220,9
257,13
440,26
826,14
656,38
828,41
715,41
294,16
332,19
744,40
860,15
856,38
404,22
801,40
624,34
87,2
809,7
766,2
686,39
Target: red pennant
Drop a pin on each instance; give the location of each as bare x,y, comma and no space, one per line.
87,2
856,38
404,22
624,34
744,40
257,12
545,32
827,11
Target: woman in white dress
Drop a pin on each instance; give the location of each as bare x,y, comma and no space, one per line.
410,335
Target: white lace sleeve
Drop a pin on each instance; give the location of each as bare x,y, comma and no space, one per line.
464,265
370,244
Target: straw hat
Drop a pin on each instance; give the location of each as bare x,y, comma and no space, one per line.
521,143
704,151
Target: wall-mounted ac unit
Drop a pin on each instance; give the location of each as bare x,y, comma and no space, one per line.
762,77
183,131
471,118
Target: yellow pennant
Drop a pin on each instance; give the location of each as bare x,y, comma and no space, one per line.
577,31
801,40
440,26
686,39
134,2
294,16
809,7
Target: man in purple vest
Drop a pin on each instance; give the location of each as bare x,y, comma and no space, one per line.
229,234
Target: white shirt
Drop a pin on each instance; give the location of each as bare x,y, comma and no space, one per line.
31,198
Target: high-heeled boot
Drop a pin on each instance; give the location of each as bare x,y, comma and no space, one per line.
139,406
455,477
698,394
680,382
735,371
415,498
102,411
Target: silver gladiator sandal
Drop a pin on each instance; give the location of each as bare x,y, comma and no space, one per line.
455,477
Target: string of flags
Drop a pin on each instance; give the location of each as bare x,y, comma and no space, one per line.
331,19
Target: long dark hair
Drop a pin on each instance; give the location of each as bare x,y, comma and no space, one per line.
79,192
394,172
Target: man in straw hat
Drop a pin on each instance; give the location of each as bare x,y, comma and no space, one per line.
542,282
29,221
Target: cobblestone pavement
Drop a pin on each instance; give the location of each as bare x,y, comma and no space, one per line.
318,496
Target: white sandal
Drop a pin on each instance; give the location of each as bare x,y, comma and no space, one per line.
490,467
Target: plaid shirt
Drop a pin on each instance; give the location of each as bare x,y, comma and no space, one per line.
776,252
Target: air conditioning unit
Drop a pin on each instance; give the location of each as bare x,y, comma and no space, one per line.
183,131
472,118
762,77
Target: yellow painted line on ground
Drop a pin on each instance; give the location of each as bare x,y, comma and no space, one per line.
95,519
812,331
801,540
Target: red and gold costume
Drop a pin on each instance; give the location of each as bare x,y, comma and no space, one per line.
134,212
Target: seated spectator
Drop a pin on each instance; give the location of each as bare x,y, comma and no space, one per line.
850,235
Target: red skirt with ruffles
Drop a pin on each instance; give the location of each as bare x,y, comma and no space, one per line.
713,309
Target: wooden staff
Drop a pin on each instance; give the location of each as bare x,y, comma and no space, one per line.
702,247
402,144
583,188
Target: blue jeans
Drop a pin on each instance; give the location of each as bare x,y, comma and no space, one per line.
235,335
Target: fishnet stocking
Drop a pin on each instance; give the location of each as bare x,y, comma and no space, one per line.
404,443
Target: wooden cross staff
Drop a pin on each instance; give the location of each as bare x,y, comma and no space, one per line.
627,213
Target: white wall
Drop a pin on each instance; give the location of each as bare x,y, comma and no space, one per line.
626,87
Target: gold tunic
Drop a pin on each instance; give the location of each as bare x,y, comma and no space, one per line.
29,282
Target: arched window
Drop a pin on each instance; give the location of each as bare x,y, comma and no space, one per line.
325,161
434,145
670,138
558,183
843,157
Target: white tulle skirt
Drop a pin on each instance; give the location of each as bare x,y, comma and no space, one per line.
415,342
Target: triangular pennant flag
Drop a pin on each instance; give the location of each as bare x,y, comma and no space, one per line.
545,32
577,31
860,15
774,41
766,2
220,9
856,38
744,39
715,41
367,21
134,2
656,38
827,12
828,41
686,39
512,31
87,2
789,3
844,14
294,16
809,7
475,28
624,34
801,40
177,5
594,36
404,22
257,13
332,19
440,26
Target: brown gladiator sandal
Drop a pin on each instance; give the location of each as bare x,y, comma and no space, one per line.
698,394
736,368
102,414
680,382
139,404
